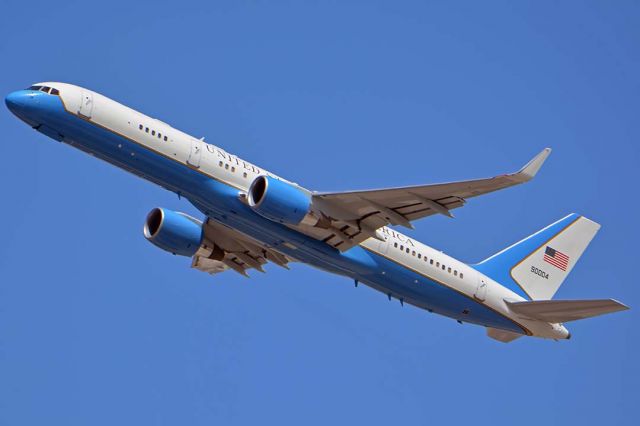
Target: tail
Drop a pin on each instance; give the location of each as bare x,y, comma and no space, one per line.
539,264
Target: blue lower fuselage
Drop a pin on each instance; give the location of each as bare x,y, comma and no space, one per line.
220,202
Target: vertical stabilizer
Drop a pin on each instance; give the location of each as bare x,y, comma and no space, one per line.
540,263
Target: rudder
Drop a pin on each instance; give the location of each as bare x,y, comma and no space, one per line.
540,263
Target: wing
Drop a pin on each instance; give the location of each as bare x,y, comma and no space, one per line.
224,248
357,215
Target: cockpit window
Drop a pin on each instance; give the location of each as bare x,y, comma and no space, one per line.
45,89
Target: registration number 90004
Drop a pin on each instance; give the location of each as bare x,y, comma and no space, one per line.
540,272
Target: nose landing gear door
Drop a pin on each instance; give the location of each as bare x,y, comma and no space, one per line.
196,153
86,104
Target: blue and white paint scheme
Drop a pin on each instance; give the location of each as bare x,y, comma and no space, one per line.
253,217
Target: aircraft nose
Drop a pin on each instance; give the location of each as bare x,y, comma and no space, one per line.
17,101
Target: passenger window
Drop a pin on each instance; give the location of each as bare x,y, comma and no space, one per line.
226,166
449,270
146,129
461,275
395,245
55,92
244,174
159,136
419,256
443,267
401,248
413,253
408,250
165,138
141,127
437,264
455,273
431,261
153,132
233,169
220,164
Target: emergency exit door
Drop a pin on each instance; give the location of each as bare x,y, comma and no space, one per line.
86,104
481,289
196,153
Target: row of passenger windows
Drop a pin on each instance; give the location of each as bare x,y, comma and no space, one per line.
431,261
45,89
232,168
153,132
164,137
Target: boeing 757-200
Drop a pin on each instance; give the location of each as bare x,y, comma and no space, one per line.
253,217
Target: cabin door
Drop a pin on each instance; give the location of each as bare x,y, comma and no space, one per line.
196,153
86,104
481,289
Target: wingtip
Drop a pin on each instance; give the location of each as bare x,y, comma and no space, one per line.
621,305
533,166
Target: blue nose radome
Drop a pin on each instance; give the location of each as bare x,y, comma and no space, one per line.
18,101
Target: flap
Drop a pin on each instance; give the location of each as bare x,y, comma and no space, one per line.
225,248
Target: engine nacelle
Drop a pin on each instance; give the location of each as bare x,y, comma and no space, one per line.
279,201
174,232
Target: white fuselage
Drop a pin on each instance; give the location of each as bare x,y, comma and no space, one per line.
209,160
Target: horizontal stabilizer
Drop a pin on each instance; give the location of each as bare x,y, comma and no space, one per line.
503,336
556,311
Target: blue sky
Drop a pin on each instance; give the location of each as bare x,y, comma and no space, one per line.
99,327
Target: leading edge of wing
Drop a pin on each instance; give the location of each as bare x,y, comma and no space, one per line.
523,175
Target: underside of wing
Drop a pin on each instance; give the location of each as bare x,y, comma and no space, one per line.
355,216
224,248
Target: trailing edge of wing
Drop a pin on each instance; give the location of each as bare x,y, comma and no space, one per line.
235,251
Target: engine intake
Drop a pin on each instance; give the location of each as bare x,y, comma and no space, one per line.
278,200
175,232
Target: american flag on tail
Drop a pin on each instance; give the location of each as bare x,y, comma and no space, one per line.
556,258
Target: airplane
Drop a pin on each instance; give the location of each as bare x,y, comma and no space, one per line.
253,217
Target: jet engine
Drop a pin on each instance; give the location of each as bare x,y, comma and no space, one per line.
175,232
280,201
